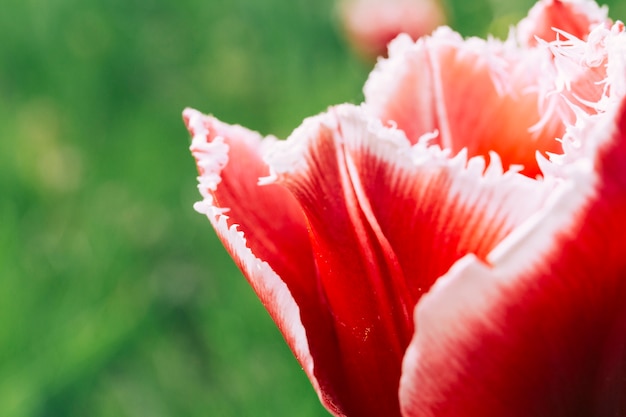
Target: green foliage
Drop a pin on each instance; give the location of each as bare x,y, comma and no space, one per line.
116,299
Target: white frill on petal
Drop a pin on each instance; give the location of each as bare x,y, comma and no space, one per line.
465,298
212,157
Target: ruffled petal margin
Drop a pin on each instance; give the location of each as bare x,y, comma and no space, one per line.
386,219
265,232
539,328
483,96
549,17
355,221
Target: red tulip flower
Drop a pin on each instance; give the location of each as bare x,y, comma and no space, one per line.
456,245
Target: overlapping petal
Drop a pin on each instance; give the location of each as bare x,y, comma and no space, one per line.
463,187
384,219
480,95
540,328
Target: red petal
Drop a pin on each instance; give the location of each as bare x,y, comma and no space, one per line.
265,231
483,96
576,18
541,330
386,219
268,216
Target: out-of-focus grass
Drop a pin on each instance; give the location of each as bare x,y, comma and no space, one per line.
116,299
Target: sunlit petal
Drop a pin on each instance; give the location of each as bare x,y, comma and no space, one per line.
484,96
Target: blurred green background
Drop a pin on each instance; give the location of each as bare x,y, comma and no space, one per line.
116,298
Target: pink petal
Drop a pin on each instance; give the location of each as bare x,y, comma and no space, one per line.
386,219
577,18
585,68
484,96
575,32
539,329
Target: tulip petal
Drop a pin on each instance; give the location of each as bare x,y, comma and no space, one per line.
586,68
352,269
265,232
576,18
539,329
268,216
427,85
386,218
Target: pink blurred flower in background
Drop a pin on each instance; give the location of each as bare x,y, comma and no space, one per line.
454,245
371,24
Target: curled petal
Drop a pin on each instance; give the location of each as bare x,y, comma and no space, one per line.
268,216
264,230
